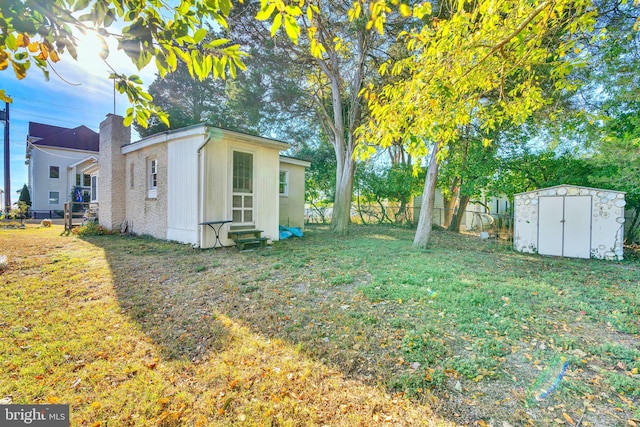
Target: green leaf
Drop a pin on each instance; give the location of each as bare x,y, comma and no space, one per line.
199,35
197,65
184,7
128,118
225,7
80,4
216,43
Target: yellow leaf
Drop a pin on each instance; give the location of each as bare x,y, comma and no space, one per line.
277,22
22,40
568,418
292,28
265,14
405,10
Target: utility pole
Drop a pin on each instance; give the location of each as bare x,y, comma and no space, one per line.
4,115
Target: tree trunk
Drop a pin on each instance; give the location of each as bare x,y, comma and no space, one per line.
633,236
423,232
451,202
342,202
457,217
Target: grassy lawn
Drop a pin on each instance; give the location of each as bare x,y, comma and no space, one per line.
322,330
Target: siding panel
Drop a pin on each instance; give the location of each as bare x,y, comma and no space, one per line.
182,191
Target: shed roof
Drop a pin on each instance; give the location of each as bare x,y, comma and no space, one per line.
579,187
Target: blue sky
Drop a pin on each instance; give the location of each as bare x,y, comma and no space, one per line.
84,97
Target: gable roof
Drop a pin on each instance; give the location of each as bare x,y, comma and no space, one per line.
79,138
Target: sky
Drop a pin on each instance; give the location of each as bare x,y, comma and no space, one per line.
82,94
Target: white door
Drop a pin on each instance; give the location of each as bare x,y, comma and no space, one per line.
564,226
577,227
242,195
550,225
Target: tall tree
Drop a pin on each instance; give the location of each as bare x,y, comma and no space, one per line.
338,53
25,196
480,66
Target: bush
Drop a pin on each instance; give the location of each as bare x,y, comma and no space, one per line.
92,229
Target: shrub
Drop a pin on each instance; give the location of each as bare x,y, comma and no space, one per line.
92,229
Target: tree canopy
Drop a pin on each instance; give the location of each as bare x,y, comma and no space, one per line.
482,65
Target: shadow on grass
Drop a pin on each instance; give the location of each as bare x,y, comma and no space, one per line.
360,305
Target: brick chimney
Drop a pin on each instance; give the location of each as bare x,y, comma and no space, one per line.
112,176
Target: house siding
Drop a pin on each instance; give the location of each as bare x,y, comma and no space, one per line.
292,204
41,184
218,158
183,190
194,174
146,215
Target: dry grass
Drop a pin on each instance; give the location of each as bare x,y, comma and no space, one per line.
359,330
139,332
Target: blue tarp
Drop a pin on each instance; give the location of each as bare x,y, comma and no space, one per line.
286,232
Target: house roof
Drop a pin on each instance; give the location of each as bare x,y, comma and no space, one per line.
295,161
79,138
209,132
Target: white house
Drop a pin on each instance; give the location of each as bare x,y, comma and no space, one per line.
570,221
166,185
53,157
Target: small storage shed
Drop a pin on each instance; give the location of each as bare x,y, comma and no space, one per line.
570,221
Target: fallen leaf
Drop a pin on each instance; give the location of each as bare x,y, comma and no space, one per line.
568,418
625,400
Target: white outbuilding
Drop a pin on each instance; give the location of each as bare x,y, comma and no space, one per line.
570,221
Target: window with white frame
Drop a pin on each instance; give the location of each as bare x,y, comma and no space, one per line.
54,172
83,180
94,188
284,183
54,198
152,178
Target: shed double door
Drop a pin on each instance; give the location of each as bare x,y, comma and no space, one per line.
564,226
